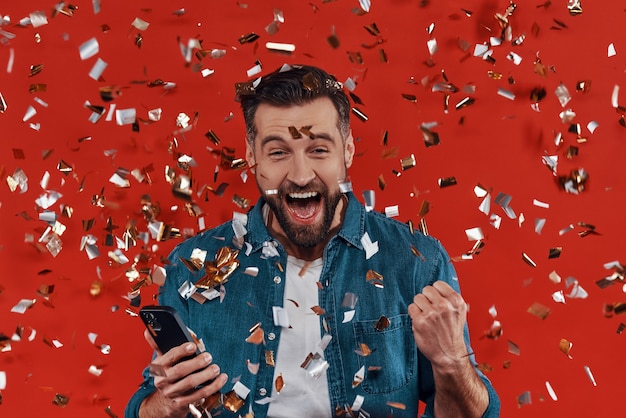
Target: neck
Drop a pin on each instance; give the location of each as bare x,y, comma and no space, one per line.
307,253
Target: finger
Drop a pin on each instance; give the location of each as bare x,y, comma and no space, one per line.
450,294
444,288
431,294
203,392
178,353
189,383
421,302
150,340
194,365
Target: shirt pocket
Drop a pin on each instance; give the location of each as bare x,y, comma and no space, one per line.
391,360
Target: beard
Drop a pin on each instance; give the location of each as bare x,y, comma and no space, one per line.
304,235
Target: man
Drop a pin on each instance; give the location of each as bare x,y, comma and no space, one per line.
325,309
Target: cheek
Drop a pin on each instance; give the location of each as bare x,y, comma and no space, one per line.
269,174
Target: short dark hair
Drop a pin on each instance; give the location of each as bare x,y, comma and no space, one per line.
294,85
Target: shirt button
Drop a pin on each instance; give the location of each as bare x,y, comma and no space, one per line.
262,392
271,336
277,279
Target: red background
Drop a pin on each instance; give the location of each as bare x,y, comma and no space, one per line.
496,142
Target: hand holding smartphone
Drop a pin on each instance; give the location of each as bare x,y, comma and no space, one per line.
169,331
167,328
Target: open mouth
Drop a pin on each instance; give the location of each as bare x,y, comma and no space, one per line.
304,206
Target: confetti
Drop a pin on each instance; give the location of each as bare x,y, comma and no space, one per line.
565,346
539,310
590,375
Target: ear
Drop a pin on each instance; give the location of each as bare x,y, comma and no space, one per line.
349,150
250,155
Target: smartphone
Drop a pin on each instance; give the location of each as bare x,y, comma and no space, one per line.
167,328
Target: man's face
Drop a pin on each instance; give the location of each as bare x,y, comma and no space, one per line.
299,177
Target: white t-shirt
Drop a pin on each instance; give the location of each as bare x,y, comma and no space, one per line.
302,393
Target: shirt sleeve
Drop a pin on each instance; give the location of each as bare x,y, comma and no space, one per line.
445,271
168,295
145,389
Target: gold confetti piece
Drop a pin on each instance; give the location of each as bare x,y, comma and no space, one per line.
318,310
382,56
295,134
3,104
565,346
446,182
408,162
555,252
269,358
583,86
248,38
304,269
396,405
364,350
374,278
279,383
35,69
416,252
110,412
574,7
212,137
238,164
36,88
575,181
66,11
242,202
495,331
232,401
256,336
310,83
430,138
61,400
333,40
539,310
5,344
306,130
381,324
372,29
381,182
513,348
217,272
389,152
484,367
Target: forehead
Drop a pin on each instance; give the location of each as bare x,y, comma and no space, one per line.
320,115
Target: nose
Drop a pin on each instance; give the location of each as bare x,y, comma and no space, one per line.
301,172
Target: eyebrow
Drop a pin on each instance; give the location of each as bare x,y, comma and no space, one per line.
271,138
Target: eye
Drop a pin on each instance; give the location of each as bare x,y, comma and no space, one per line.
320,150
277,153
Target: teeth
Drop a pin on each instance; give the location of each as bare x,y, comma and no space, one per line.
305,195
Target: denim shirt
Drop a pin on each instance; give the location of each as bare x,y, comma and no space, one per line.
397,374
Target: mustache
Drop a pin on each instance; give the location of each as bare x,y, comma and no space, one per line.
313,186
